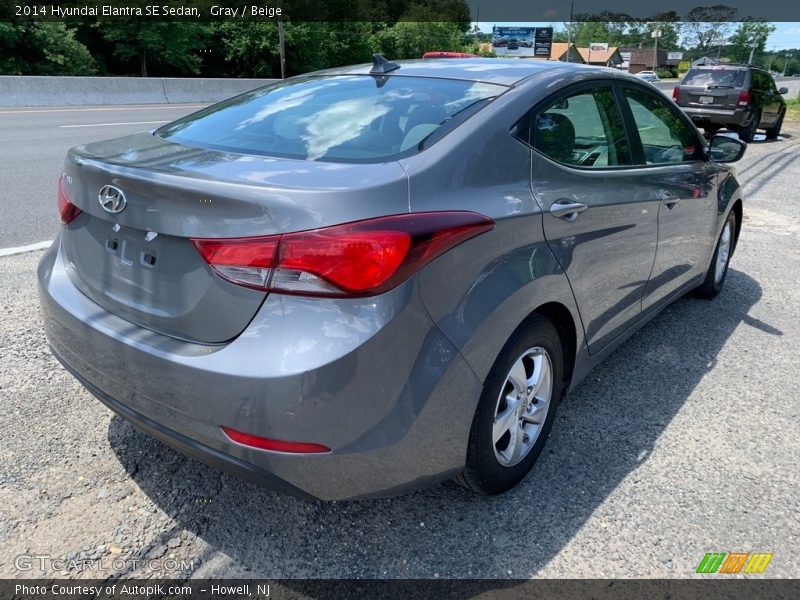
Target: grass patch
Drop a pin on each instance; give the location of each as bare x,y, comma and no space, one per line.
793,109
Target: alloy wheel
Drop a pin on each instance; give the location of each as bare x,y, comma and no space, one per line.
723,252
522,406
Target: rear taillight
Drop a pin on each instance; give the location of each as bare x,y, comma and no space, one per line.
355,259
676,94
744,98
255,441
66,209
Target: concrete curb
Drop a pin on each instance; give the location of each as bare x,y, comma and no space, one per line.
94,91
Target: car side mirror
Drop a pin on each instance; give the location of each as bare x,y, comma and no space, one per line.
783,90
726,149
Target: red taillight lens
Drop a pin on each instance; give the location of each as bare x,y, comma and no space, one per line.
744,98
66,209
255,441
356,259
352,260
246,261
676,94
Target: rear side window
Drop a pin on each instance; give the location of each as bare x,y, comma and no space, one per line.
733,78
665,137
763,82
584,130
354,118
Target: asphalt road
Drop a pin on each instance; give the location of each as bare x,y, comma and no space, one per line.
34,144
685,441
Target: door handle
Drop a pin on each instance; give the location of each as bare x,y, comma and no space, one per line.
566,209
669,199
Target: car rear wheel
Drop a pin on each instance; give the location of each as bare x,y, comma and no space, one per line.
516,409
748,132
774,131
718,270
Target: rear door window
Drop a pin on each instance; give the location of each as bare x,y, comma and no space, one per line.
353,118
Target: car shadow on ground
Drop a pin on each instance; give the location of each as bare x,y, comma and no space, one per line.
604,431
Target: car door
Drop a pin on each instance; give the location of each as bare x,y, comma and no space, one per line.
770,98
670,154
599,211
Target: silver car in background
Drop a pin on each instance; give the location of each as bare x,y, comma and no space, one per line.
366,280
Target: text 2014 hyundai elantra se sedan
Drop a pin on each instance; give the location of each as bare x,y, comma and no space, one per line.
363,281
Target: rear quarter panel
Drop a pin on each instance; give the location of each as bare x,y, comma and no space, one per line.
481,291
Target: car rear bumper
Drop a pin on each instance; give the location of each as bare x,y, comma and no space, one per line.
374,380
716,116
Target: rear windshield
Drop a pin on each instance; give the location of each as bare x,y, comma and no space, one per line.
353,118
719,77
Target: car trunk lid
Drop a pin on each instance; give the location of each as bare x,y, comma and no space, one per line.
140,263
712,88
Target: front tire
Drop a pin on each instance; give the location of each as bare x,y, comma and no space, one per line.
718,269
516,409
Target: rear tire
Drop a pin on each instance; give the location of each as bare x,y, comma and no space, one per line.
748,132
516,409
718,269
774,131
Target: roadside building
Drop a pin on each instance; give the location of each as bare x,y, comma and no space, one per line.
641,59
609,57
565,52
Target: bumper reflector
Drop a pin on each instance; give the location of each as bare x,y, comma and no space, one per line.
262,443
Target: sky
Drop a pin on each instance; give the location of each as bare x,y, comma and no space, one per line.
785,36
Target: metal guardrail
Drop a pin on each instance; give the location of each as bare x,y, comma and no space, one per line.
93,91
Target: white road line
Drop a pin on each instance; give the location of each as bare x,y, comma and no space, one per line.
49,110
23,249
110,124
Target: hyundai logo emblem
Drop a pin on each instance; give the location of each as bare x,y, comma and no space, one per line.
112,199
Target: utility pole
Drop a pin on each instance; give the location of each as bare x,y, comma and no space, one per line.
282,45
656,34
786,64
569,30
752,51
772,58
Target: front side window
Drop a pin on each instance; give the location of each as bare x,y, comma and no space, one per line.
353,118
584,129
665,137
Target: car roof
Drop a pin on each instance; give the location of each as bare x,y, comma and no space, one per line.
488,70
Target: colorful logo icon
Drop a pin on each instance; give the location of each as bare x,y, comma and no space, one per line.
734,562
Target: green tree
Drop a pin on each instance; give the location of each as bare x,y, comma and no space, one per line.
708,27
749,36
32,48
171,48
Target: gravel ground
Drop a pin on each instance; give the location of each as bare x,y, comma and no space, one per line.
684,441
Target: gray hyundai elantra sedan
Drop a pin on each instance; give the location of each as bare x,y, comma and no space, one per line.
363,281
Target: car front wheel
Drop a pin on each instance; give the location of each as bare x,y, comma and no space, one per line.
718,270
516,409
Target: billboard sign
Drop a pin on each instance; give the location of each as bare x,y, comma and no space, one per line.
543,41
598,47
675,56
522,41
